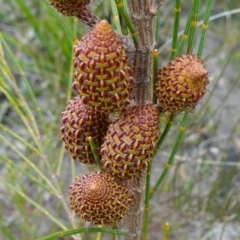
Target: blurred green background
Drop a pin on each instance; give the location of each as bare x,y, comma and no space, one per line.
201,196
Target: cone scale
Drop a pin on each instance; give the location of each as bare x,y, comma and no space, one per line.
103,76
99,199
181,84
69,7
80,121
76,8
130,142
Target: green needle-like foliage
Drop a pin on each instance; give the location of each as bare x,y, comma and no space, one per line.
125,15
36,76
171,158
81,230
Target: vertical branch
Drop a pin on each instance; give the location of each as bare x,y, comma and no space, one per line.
143,15
133,222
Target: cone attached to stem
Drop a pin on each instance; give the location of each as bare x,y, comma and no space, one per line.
69,7
98,198
79,121
103,76
76,8
181,84
130,142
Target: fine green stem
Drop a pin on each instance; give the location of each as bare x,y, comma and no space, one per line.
185,35
124,14
33,178
35,204
62,23
99,234
154,78
204,27
171,158
95,153
20,104
19,138
113,236
166,231
11,90
40,173
116,16
193,27
81,230
165,131
69,96
148,178
176,27
215,85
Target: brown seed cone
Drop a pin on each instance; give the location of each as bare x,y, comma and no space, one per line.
69,7
75,8
98,198
130,142
87,17
79,121
181,84
103,76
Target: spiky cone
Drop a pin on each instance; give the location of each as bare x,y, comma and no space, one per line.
79,121
76,8
99,199
103,76
181,84
130,142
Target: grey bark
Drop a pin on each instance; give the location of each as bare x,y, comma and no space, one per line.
143,14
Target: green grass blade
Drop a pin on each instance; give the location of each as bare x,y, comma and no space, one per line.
69,96
17,99
25,10
6,231
19,138
185,35
116,16
81,230
165,131
193,27
71,34
29,162
35,204
95,153
173,153
154,77
205,27
19,168
176,27
124,14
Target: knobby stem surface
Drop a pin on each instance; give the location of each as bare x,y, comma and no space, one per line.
143,15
